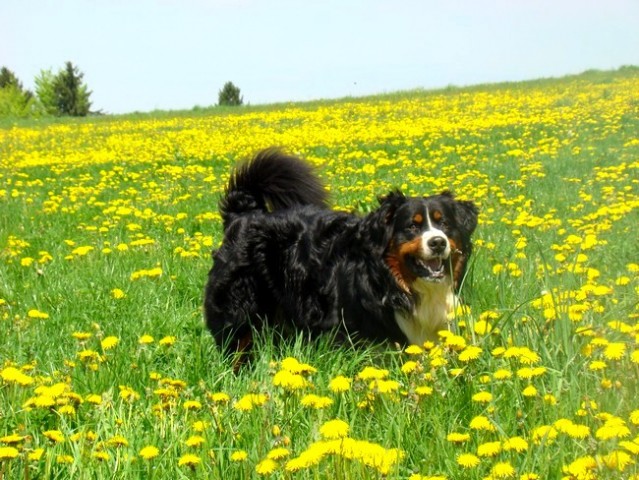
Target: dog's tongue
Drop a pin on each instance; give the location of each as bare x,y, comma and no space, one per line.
434,263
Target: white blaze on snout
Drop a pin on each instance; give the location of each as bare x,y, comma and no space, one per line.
430,234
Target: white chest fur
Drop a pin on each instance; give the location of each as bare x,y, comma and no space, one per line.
430,315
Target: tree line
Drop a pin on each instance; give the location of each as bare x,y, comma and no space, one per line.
66,94
61,94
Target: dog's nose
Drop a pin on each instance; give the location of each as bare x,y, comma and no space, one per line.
437,244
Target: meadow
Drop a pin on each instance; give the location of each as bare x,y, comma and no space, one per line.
106,229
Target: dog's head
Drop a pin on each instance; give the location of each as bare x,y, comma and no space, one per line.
430,237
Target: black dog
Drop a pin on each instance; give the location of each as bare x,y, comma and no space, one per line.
290,262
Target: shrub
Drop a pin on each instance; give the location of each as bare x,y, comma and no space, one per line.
230,95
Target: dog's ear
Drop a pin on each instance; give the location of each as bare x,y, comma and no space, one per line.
466,214
376,229
388,204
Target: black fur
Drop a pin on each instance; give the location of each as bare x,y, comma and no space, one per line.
290,262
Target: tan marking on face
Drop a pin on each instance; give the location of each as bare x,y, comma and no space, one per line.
418,218
437,215
458,261
396,261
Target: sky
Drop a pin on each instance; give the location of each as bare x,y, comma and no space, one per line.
142,55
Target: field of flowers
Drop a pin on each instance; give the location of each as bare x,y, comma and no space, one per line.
106,228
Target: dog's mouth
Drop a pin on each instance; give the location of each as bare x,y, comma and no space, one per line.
432,269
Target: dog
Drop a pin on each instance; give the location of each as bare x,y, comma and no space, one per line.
290,262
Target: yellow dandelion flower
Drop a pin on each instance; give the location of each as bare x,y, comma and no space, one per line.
340,384
615,351
634,417
219,397
118,441
192,405
81,336
167,341
146,339
81,251
334,429
545,434
409,367
67,410
118,294
372,373
266,467
414,350
424,390
578,431
249,401
37,314
316,401
239,456
581,467
12,439
384,386
502,374
54,435
481,422
8,453
482,327
617,460
632,447
189,460
289,381
518,444
471,352
488,449
149,452
194,441
467,460
101,456
278,453
529,476
456,342
35,455
417,476
455,437
64,459
482,397
27,261
529,391
597,365
14,375
614,427
292,365
502,470
109,342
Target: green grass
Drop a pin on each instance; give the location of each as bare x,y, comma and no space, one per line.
553,166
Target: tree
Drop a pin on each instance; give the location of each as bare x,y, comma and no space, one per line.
8,78
44,88
71,94
229,95
15,101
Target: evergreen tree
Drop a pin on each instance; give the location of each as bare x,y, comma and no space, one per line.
71,94
230,95
8,78
45,92
15,101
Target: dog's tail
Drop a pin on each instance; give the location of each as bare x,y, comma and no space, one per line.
272,180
